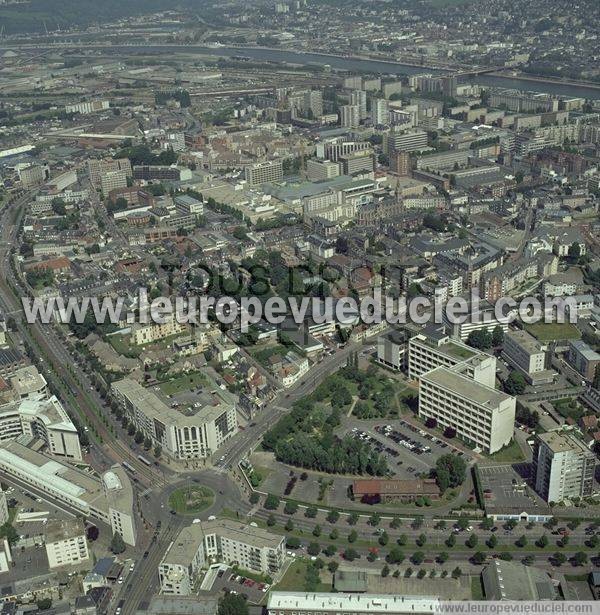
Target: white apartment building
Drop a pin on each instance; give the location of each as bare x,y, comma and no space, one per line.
97,168
193,432
65,543
391,350
113,180
481,416
221,540
482,318
4,516
264,172
359,99
526,354
380,111
88,107
302,603
41,418
434,348
564,466
149,333
107,499
28,382
350,116
321,170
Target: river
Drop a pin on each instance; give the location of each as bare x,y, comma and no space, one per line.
357,65
372,66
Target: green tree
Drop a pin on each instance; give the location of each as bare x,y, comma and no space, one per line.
450,471
351,555
290,508
333,516
313,548
395,556
515,383
417,557
332,566
44,604
497,336
8,531
559,558
271,502
580,558
352,536
117,545
596,381
232,604
480,339
574,252
311,512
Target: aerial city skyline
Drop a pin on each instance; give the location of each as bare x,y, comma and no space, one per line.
299,307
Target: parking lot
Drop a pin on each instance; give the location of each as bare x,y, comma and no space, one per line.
410,451
226,580
504,489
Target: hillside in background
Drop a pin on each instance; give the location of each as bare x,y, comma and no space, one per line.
37,15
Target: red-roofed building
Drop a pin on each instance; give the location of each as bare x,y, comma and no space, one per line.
376,490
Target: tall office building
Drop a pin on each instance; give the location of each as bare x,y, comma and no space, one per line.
480,415
97,168
380,111
433,348
405,141
200,544
195,432
264,172
564,466
4,516
400,163
359,98
320,170
112,181
353,83
350,116
313,103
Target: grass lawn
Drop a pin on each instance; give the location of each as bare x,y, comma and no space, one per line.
294,578
509,453
262,354
477,588
261,472
192,499
182,383
547,332
121,345
564,409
